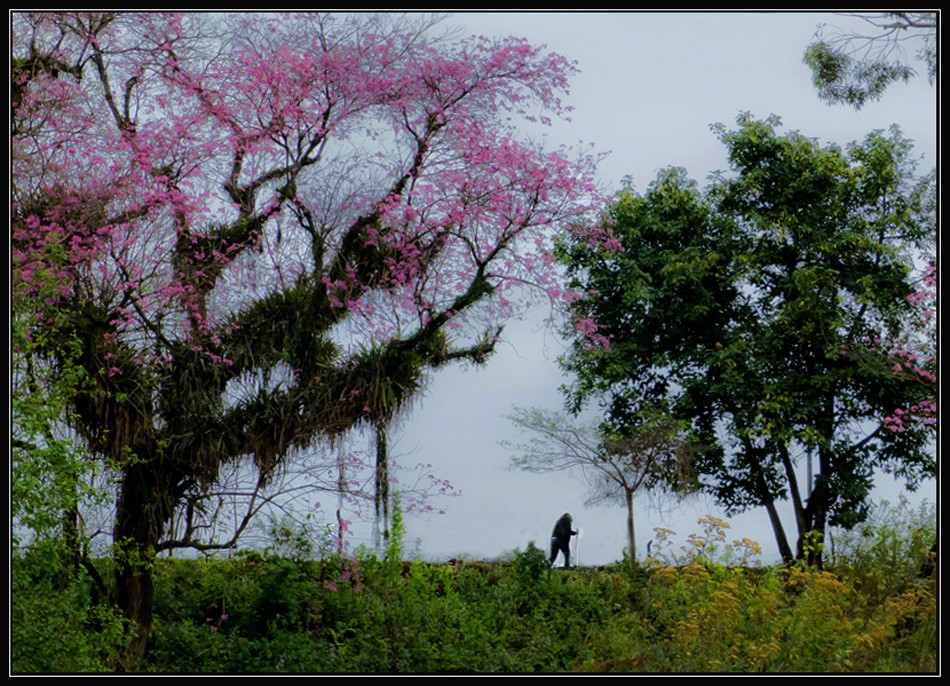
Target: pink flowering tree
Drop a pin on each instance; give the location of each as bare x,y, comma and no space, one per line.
261,232
915,359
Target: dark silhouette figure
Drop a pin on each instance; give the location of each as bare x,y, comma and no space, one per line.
561,539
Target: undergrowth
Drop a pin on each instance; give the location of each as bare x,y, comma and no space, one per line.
705,608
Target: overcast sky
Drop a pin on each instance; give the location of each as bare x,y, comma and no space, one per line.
650,86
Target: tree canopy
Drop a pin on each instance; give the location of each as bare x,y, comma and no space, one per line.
261,231
772,309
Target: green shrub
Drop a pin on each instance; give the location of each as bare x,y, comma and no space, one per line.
889,550
56,626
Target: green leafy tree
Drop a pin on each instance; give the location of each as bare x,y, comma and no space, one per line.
855,67
48,468
758,306
53,480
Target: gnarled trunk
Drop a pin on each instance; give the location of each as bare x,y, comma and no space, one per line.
145,504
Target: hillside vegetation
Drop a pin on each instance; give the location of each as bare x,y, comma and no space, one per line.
698,610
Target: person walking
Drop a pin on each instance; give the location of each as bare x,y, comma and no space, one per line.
561,539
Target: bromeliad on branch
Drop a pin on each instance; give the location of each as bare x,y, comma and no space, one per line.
262,230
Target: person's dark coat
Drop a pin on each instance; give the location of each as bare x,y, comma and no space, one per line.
561,538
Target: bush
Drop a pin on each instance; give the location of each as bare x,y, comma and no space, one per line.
56,626
889,550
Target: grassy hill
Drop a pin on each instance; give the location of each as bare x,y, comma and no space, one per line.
263,613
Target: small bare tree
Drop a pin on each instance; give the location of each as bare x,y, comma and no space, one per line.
655,455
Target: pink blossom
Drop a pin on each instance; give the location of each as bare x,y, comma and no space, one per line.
179,191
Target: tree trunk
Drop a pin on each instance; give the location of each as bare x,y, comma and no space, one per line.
631,535
144,506
811,537
781,539
71,536
134,594
382,481
812,533
811,527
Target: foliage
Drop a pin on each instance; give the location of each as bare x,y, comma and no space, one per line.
766,310
654,454
890,550
855,67
59,623
709,611
406,617
708,615
51,477
294,540
262,231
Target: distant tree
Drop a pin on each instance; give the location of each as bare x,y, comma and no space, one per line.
854,68
260,231
655,456
767,308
